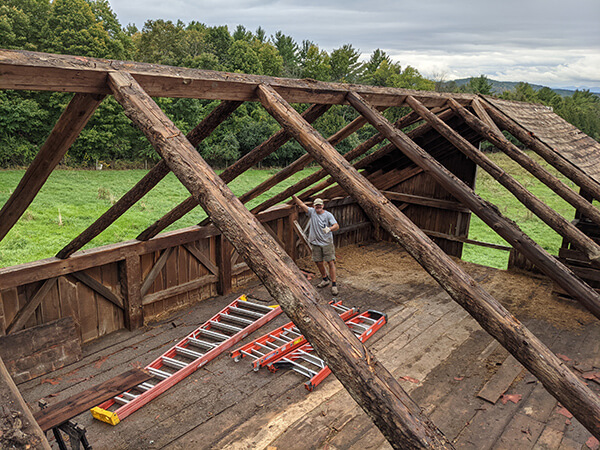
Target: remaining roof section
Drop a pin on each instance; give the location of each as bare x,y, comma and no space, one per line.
572,144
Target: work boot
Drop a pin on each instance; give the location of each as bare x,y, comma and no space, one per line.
323,283
334,290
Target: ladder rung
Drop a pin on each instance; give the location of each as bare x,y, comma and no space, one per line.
225,326
145,386
121,400
235,319
129,395
212,334
187,352
300,368
173,363
256,306
200,343
159,373
246,312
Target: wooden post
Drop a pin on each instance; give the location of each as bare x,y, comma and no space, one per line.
224,250
131,284
151,179
491,315
484,210
553,158
240,166
291,235
550,217
513,152
64,133
396,415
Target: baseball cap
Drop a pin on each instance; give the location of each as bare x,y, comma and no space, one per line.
317,201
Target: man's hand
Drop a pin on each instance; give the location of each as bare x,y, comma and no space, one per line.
326,230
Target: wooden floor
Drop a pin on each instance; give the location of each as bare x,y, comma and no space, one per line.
438,352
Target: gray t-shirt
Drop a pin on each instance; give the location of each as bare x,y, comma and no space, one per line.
316,235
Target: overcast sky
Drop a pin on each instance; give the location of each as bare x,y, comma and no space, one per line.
550,42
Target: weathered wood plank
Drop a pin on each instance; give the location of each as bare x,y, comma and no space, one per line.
202,258
99,288
41,349
131,287
490,314
179,289
347,357
64,133
66,409
156,269
501,381
64,73
29,308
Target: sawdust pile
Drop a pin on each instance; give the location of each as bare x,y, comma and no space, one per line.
386,268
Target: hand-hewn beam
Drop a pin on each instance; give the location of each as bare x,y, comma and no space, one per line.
484,210
483,115
550,217
23,70
517,155
240,166
99,288
552,157
491,315
151,179
66,130
352,363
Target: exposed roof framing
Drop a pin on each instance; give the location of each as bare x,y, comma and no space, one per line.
397,416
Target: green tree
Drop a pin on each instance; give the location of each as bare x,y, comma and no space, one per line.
243,58
345,65
22,22
161,42
480,85
288,50
314,63
270,59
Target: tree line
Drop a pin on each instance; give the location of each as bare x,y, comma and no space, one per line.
91,28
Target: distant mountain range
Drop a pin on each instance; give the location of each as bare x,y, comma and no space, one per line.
500,86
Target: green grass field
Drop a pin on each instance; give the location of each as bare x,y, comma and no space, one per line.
72,199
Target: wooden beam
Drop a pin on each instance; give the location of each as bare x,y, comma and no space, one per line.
180,289
23,70
465,240
85,259
426,201
26,311
504,227
550,217
490,314
550,155
483,115
65,410
520,157
202,258
99,288
13,401
156,269
357,151
130,273
345,355
151,179
69,125
240,166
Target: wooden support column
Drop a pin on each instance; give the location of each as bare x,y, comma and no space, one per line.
484,210
64,133
131,288
517,155
550,217
490,314
224,250
232,172
151,179
400,419
553,158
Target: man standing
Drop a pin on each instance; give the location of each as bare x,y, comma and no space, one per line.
320,237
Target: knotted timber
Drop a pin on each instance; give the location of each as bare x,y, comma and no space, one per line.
371,385
483,209
491,315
